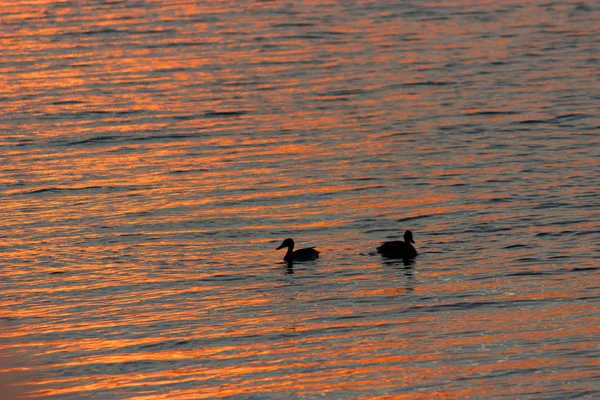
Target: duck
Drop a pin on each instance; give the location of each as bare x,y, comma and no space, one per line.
307,254
398,248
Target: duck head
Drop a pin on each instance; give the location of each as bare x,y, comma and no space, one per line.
289,243
408,237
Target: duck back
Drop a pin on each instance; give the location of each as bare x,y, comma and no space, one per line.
397,249
307,254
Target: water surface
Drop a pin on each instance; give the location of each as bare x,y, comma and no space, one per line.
154,154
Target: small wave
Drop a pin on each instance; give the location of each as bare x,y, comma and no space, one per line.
332,33
360,179
359,189
83,188
161,137
80,114
472,305
61,189
533,121
499,200
347,92
528,273
66,102
293,25
160,31
413,218
485,228
188,171
176,44
97,139
528,259
117,139
493,113
454,306
24,143
515,246
165,344
551,234
420,13
427,83
184,117
555,120
568,117
223,278
224,113
495,180
377,230
355,316
309,37
93,112
91,32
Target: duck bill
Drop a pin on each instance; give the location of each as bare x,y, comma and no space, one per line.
412,241
280,247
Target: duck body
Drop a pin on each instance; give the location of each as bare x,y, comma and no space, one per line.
307,254
398,248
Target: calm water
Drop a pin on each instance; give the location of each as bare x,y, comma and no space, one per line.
154,154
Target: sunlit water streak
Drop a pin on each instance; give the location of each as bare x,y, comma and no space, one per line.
154,154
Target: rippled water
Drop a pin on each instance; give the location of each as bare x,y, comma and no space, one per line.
154,154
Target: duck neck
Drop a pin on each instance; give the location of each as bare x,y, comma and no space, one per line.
412,248
288,254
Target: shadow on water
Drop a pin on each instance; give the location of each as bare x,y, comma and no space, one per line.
406,262
405,267
287,267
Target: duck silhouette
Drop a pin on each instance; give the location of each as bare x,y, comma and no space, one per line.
398,248
307,254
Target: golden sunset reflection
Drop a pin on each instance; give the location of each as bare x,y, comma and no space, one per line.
155,154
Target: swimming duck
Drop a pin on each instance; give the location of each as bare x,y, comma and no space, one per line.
307,254
398,248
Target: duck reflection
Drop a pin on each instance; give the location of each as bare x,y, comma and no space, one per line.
405,267
288,268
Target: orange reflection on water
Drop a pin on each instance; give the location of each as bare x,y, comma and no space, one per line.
157,209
